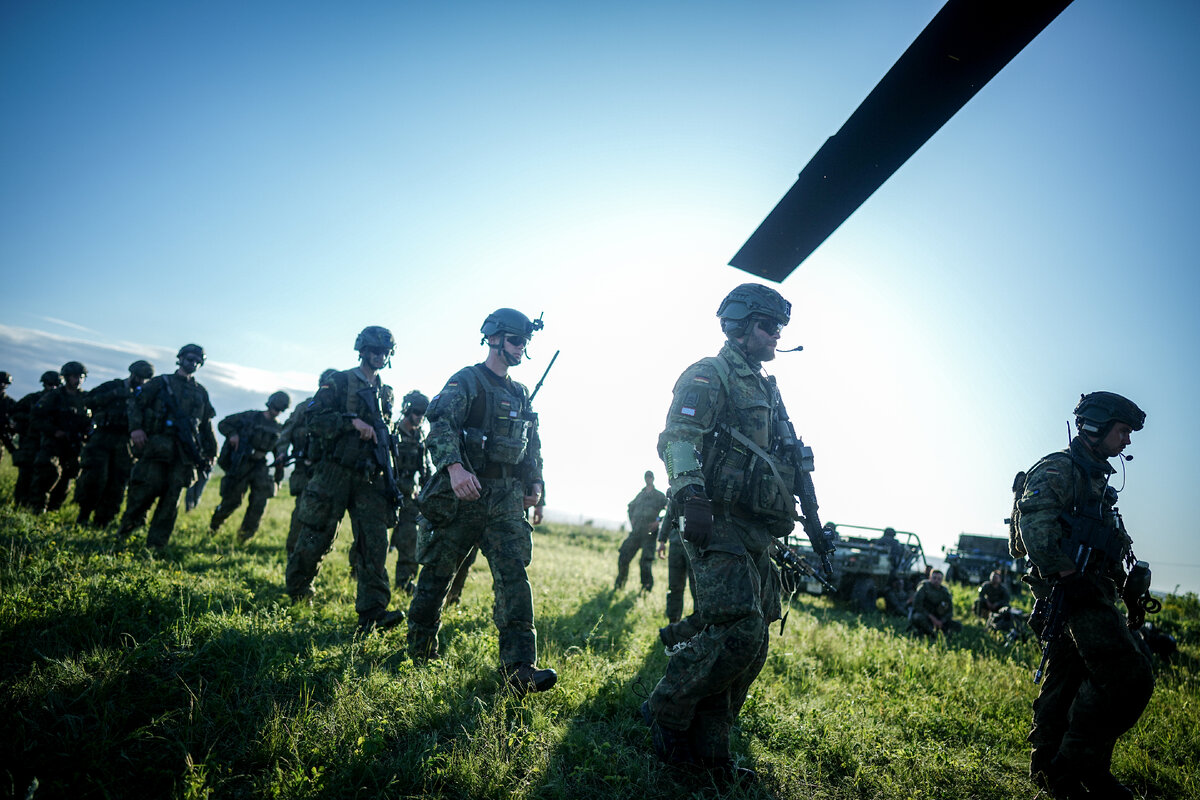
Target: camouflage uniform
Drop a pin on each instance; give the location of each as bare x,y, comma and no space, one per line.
994,594
1098,681
643,511
737,585
412,466
28,444
164,468
258,435
63,423
8,426
347,478
935,600
107,459
679,571
295,436
484,422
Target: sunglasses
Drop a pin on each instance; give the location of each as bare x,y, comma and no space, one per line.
516,341
769,326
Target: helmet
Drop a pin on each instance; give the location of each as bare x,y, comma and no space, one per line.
5,379
191,349
279,401
73,368
889,531
414,401
326,377
142,369
755,299
509,320
1096,411
377,337
50,376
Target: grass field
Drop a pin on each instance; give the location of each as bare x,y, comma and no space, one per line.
189,675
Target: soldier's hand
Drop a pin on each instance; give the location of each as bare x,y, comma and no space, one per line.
365,431
698,521
138,438
662,549
537,514
465,485
533,496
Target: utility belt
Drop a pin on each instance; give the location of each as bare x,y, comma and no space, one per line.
494,472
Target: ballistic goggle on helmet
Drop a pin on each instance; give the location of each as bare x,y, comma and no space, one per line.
749,301
510,321
1096,413
375,337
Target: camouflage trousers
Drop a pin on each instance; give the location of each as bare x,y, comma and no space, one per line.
706,682
1098,681
55,466
333,491
23,461
155,480
105,467
640,539
404,539
301,473
257,478
679,578
496,523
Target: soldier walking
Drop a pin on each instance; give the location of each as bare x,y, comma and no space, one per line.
1098,680
679,571
485,446
63,423
107,459
249,437
724,427
412,470
351,417
29,442
170,427
295,446
643,525
8,426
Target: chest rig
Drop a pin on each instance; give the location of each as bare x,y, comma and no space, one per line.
498,426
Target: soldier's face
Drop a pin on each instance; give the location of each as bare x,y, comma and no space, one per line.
189,363
936,579
1116,440
73,381
374,357
761,340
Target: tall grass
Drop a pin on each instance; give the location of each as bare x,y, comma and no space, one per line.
189,675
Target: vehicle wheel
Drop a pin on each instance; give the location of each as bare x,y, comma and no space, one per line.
864,595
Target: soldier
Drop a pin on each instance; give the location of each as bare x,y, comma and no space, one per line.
485,446
8,426
29,442
107,458
933,607
897,552
170,427
295,437
1098,681
412,469
643,525
249,437
350,417
63,422
725,412
993,595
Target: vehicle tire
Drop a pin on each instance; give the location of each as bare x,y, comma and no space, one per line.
864,595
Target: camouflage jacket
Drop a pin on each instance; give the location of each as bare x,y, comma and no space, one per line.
935,600
109,403
1061,483
255,431
331,414
644,508
22,416
484,422
295,432
996,594
711,398
412,458
61,410
149,412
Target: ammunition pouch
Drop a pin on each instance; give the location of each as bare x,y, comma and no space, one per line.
1107,543
437,501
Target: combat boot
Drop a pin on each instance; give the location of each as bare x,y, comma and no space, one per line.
379,621
1061,780
304,596
524,678
671,746
725,771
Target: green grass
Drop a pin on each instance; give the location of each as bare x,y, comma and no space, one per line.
189,675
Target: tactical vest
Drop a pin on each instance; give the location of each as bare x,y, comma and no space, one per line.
347,447
498,424
739,471
110,405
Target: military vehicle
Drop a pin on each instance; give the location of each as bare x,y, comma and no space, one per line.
864,565
977,556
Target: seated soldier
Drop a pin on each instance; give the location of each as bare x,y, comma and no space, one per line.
933,607
993,596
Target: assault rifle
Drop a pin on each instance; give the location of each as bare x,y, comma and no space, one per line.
796,568
791,450
185,429
385,446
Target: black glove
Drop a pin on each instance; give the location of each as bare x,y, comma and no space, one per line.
697,521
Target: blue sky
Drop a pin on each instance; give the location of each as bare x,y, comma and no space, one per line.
268,178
